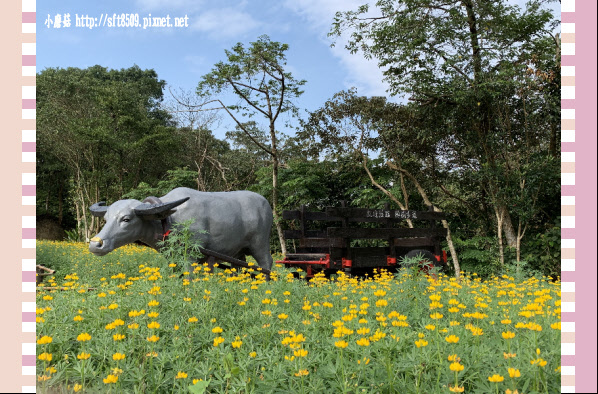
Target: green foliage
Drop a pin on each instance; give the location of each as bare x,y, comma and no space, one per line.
418,265
543,251
181,245
73,236
199,387
272,321
180,177
102,131
479,254
256,75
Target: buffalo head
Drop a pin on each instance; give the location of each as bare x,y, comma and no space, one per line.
128,221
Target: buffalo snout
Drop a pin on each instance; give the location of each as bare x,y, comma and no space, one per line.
96,246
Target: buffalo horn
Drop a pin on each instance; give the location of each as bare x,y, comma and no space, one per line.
158,211
98,209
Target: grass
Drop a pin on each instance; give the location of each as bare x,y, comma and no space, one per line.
226,332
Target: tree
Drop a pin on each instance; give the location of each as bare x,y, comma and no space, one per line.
352,125
471,66
103,126
256,75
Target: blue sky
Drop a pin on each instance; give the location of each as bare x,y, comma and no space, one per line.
181,56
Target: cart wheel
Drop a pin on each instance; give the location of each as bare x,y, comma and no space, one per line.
426,255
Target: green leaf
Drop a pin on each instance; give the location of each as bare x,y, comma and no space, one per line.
199,387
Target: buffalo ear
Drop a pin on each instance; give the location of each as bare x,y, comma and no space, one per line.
158,211
98,209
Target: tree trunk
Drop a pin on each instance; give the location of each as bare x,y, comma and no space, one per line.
275,164
452,249
499,226
520,234
383,189
507,226
445,224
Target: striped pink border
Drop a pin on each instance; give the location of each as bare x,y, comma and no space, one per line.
568,147
567,197
28,63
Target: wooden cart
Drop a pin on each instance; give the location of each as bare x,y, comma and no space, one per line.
360,239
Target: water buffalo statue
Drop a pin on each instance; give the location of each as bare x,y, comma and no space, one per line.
235,223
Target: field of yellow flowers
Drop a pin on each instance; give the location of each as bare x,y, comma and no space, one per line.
126,323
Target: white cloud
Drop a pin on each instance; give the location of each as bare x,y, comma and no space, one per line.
224,23
362,73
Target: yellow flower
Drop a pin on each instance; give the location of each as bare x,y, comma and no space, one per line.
341,344
514,373
218,341
421,343
363,342
300,353
302,372
436,316
153,314
456,389
44,340
83,337
133,326
253,354
430,327
539,361
237,343
506,321
77,387
153,325
83,356
78,318
381,303
45,357
153,303
556,326
181,375
452,339
496,378
192,319
453,357
509,355
153,338
456,367
283,316
112,306
508,335
110,379
118,356
118,337
436,297
216,330
475,331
